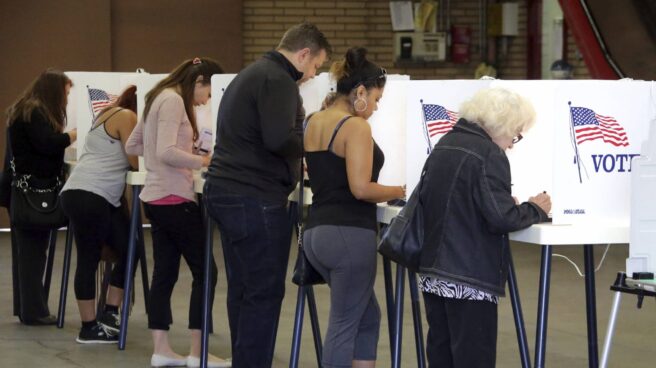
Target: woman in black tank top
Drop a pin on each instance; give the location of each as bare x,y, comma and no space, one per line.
343,164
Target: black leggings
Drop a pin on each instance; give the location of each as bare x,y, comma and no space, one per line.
177,231
95,222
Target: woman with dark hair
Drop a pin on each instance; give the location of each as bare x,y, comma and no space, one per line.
340,237
36,131
165,136
91,198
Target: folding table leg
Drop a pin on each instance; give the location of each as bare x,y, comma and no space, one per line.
398,316
52,245
416,319
298,327
314,320
591,306
543,307
65,272
518,315
207,271
129,265
611,329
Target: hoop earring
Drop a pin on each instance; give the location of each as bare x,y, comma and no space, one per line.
361,100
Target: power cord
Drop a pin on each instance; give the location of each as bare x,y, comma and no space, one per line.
578,270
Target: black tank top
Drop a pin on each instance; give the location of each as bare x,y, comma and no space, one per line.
332,200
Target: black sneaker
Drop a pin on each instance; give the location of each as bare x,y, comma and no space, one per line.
111,322
96,335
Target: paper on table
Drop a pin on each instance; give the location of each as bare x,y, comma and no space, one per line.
401,13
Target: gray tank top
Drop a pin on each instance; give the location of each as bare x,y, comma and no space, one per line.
101,169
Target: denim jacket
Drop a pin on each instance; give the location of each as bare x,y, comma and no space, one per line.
469,210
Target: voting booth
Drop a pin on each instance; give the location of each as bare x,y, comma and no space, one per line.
93,91
580,150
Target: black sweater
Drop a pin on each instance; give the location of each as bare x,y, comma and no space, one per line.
259,131
37,148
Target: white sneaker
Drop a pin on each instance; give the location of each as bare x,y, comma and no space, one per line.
194,362
163,361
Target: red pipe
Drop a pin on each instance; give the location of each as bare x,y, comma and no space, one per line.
587,42
534,40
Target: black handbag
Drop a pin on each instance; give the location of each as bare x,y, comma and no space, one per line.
34,203
304,273
403,239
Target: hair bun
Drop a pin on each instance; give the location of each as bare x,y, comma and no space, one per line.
356,58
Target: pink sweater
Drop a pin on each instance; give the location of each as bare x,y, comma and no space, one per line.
165,140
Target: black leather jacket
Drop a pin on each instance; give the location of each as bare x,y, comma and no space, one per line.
469,211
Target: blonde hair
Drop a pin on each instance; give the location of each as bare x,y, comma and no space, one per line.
502,113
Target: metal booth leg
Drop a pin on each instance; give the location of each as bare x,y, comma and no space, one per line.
298,327
389,299
398,316
143,264
416,319
608,341
207,276
61,311
591,306
518,315
52,245
135,217
314,320
543,307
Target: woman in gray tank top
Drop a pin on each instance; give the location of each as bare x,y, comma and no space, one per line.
91,198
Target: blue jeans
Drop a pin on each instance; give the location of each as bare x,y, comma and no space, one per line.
256,239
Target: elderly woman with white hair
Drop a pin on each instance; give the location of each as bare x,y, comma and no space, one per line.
468,212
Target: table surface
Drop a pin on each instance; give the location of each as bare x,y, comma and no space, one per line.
544,233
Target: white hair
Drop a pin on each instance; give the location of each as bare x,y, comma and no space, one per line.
500,112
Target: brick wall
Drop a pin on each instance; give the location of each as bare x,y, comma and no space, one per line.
368,24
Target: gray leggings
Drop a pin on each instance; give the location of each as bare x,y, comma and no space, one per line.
346,258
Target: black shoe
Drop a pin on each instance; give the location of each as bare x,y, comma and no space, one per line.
96,335
43,321
111,322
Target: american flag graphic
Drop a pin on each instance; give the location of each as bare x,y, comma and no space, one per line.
100,99
438,120
588,126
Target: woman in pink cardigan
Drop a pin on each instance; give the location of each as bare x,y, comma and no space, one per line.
165,136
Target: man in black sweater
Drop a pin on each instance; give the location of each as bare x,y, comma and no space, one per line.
254,169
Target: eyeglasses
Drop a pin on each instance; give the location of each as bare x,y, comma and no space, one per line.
517,138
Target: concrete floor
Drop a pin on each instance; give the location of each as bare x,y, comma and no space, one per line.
25,346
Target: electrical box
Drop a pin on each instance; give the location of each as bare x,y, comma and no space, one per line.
502,19
420,46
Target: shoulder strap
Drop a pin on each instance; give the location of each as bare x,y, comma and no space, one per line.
337,127
306,122
94,126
